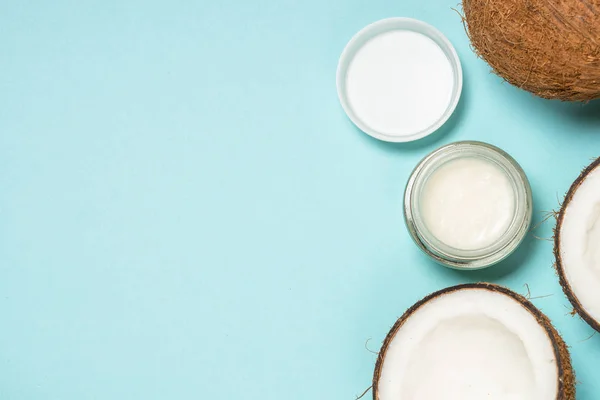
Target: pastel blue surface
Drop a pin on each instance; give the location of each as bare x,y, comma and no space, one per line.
186,212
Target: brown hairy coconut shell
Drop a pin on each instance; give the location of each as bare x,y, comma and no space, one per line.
564,375
550,48
558,248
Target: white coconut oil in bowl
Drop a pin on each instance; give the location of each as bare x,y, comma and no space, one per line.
399,79
468,205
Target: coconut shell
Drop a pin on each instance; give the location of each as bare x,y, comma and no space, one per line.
560,270
566,375
550,48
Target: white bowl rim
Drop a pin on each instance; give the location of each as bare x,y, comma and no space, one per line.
399,23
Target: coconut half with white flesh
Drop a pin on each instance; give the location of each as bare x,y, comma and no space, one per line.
577,245
473,342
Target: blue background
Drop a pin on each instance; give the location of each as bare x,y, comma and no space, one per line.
186,212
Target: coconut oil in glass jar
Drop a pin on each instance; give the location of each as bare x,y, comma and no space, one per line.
468,205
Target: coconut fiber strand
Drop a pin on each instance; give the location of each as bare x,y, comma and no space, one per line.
550,48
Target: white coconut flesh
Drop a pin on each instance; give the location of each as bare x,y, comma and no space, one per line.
470,344
579,239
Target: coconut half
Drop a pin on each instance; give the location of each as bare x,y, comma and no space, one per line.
577,245
473,342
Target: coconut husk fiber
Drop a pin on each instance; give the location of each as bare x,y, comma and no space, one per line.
550,48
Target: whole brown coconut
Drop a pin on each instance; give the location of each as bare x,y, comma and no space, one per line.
550,48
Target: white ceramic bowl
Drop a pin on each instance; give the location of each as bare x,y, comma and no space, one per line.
396,24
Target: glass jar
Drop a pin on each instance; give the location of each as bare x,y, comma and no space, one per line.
468,258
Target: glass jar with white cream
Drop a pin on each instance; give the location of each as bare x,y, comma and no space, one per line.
468,205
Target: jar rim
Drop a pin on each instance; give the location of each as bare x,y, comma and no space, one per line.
477,258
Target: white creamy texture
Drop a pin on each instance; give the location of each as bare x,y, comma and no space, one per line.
400,83
470,345
580,244
468,203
